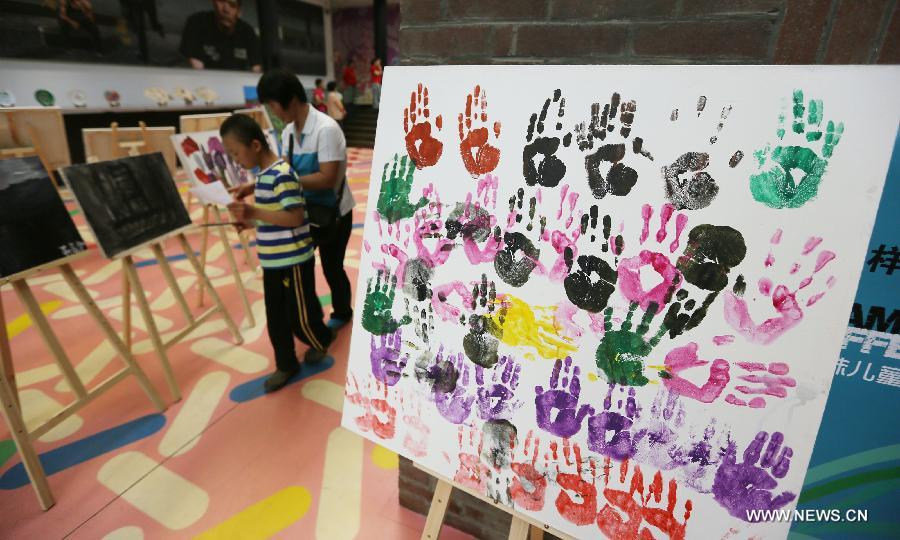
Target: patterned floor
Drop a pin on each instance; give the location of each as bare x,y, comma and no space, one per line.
224,462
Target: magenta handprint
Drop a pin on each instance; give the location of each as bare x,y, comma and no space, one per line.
495,397
771,380
684,358
743,487
452,395
562,395
387,363
621,445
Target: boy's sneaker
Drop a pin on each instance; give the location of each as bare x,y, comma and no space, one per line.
314,356
336,324
279,379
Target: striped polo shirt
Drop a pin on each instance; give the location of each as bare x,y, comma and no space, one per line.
280,247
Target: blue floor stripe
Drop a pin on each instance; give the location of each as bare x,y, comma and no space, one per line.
254,389
251,243
70,455
170,258
359,225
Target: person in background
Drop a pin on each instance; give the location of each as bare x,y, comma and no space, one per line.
316,149
285,249
319,96
220,39
77,16
335,104
375,72
349,80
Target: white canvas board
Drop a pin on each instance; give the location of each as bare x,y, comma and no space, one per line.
491,359
204,159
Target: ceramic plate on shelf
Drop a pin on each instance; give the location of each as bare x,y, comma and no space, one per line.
158,95
184,94
112,97
208,95
7,98
44,97
78,98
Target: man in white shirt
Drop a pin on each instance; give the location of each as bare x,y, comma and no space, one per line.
314,145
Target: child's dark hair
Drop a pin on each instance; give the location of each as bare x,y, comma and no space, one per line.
318,82
281,86
332,86
245,129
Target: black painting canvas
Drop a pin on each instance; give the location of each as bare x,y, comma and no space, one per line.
35,227
127,202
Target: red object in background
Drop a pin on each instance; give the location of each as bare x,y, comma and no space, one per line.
349,76
200,175
189,146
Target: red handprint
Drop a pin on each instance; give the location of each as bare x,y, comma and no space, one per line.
529,499
478,155
379,417
472,472
422,148
664,520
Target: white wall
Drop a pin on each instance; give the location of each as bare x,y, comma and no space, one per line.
24,77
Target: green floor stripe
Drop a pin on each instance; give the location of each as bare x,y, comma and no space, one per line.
7,450
325,300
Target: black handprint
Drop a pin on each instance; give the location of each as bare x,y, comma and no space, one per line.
620,178
480,344
551,170
516,271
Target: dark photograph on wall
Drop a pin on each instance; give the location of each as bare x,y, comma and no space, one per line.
302,37
127,202
203,34
35,227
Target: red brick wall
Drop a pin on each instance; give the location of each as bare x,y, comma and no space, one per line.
630,32
649,31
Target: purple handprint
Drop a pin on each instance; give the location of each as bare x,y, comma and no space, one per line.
622,445
563,397
387,364
453,401
741,488
495,399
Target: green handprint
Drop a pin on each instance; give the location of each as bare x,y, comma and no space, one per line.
393,201
776,187
377,315
621,353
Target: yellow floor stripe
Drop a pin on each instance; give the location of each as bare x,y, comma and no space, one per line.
126,533
23,322
38,407
265,518
325,393
340,500
229,355
168,498
37,375
194,415
384,458
78,310
90,366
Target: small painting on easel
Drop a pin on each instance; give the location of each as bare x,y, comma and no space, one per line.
127,202
35,227
203,156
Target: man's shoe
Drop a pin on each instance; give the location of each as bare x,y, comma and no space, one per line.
314,356
279,379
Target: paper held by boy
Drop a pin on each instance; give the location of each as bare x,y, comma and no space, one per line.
212,193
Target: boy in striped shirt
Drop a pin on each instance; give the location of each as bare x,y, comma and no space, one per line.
285,249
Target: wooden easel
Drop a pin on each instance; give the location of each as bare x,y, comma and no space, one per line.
132,283
522,526
131,148
9,397
34,131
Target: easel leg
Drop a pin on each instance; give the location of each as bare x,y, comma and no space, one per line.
437,510
245,245
19,433
126,309
56,349
536,533
7,372
204,281
518,529
88,302
203,244
147,315
223,234
173,284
